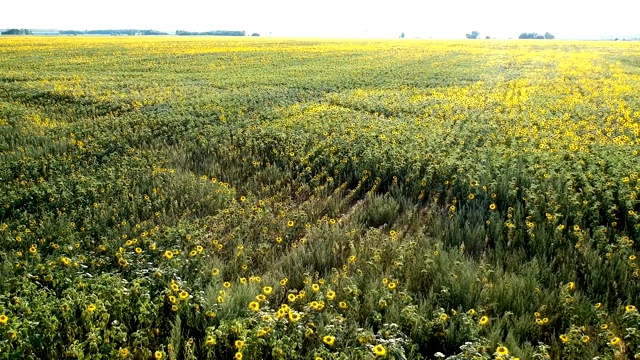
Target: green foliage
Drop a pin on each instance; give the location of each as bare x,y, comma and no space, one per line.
379,210
293,200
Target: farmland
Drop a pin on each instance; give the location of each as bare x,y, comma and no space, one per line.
212,198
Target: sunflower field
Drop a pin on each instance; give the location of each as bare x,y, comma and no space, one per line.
263,198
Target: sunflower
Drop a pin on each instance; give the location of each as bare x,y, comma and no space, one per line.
183,294
379,351
267,290
3,319
254,306
294,316
329,340
564,338
168,255
124,352
484,320
210,340
502,351
630,308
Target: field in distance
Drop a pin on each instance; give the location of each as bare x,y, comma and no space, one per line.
257,198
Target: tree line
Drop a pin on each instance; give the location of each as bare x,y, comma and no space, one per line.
213,33
476,35
88,32
534,35
112,32
17,32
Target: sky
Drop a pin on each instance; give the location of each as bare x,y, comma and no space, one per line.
335,18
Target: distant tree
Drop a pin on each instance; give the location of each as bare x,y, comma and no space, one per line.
528,35
402,36
474,35
549,36
255,34
17,32
487,37
534,35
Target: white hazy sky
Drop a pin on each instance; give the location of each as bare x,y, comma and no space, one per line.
335,18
